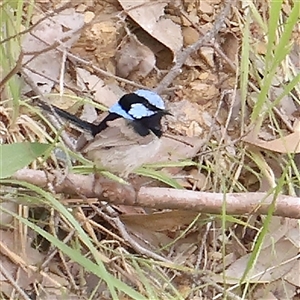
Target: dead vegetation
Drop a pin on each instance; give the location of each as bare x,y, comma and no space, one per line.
230,78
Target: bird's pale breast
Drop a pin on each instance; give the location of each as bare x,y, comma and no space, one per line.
123,159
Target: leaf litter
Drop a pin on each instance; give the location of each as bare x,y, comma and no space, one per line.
188,240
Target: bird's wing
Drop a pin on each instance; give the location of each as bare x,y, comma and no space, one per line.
118,133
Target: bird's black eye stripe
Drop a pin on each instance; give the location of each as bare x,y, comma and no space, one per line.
129,99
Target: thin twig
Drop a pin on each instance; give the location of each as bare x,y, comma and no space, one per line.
72,88
116,222
13,282
47,15
216,46
12,72
102,72
53,118
183,56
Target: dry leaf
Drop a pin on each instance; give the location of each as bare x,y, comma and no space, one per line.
15,255
64,101
230,46
62,27
277,290
293,234
6,218
161,221
23,255
148,230
293,276
148,238
272,263
287,105
24,279
104,94
279,227
150,16
287,144
134,57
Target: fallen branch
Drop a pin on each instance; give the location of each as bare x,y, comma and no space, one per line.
162,198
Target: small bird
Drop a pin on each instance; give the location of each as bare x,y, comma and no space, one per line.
128,134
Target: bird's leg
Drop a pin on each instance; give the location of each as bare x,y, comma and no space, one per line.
96,179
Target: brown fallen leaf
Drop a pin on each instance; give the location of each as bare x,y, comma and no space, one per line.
61,27
161,221
103,93
281,254
279,289
287,144
16,254
230,45
134,58
150,16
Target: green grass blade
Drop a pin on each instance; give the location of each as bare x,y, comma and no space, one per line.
14,157
244,69
99,268
159,176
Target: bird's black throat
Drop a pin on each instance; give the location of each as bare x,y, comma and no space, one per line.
146,125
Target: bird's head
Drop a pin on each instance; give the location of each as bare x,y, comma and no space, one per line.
144,108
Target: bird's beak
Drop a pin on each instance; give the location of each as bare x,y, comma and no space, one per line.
166,112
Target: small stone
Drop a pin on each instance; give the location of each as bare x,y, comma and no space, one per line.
190,36
81,8
206,8
88,17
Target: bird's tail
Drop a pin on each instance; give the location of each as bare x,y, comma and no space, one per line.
80,124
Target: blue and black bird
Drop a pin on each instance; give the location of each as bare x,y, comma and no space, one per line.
128,134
